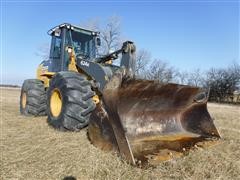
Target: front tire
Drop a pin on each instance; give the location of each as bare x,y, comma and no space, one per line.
69,100
33,98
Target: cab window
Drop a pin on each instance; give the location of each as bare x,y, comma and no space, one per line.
57,47
56,44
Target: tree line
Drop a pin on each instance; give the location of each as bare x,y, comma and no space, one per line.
223,83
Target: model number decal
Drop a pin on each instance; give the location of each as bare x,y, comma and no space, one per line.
84,63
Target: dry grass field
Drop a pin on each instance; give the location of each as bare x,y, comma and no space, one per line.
30,149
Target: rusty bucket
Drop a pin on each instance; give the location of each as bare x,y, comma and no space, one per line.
147,121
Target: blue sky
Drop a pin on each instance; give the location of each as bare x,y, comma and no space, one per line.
186,34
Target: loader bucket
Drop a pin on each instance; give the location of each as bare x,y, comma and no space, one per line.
147,121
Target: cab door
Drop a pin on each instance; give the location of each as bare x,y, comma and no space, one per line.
57,52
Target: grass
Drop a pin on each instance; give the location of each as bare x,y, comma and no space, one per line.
30,149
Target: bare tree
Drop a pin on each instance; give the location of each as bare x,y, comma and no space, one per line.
92,24
161,71
110,35
182,77
195,78
43,51
216,81
143,58
223,82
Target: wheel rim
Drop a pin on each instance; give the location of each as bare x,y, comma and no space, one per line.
24,99
56,102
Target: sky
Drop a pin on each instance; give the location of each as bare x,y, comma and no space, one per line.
186,34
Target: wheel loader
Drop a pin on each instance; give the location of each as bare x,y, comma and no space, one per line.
144,121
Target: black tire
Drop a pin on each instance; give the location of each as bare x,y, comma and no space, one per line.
35,102
76,101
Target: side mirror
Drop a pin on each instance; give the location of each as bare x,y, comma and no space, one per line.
98,41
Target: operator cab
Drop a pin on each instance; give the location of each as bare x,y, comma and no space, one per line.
84,43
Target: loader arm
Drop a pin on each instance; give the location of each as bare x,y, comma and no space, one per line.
102,72
128,60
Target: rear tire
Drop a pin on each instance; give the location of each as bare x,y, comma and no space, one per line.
33,98
69,101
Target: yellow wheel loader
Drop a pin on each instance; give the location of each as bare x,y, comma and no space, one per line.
145,121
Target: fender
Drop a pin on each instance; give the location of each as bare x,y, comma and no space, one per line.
43,74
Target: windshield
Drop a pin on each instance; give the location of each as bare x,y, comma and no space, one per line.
83,44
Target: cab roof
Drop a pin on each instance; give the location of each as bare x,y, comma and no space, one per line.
74,28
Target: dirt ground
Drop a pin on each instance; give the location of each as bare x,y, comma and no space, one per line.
30,149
